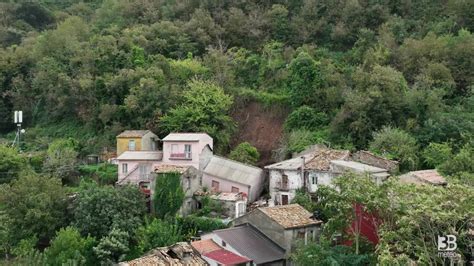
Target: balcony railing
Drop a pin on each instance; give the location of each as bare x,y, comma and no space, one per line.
181,156
146,177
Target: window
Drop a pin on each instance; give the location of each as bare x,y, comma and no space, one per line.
153,145
131,145
174,148
124,168
284,199
187,151
300,234
215,185
235,190
314,180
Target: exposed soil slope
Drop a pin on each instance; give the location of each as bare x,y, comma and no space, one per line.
261,127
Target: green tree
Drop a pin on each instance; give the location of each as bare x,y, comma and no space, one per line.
69,246
327,255
61,159
169,194
113,247
305,117
337,203
245,153
418,214
35,204
304,199
463,161
205,108
436,154
158,233
378,99
305,81
11,163
396,144
98,209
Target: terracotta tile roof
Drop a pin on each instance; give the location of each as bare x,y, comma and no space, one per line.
133,133
322,158
423,177
290,216
167,168
226,257
180,253
205,246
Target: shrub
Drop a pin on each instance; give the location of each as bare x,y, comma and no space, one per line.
307,118
69,245
245,153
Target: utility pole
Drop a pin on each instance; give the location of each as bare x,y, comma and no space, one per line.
18,119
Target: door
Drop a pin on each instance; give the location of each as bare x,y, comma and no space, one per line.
284,199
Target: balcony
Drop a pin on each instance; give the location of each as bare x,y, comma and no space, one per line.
181,156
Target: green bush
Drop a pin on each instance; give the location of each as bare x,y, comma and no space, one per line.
158,233
307,118
191,224
245,153
104,174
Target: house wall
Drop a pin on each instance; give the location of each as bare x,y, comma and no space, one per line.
294,182
122,145
196,149
191,182
226,186
147,141
322,178
133,174
267,226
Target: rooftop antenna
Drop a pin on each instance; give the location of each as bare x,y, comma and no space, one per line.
18,119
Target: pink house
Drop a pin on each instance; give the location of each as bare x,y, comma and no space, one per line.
182,151
179,149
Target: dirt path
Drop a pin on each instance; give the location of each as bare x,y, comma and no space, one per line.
261,127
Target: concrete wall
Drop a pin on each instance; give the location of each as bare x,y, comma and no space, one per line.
191,182
286,238
294,182
374,160
322,178
267,226
147,141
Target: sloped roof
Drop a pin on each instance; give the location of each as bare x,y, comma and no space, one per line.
315,159
251,243
133,133
323,157
423,177
167,168
226,257
141,155
185,136
232,170
358,167
180,253
290,216
205,246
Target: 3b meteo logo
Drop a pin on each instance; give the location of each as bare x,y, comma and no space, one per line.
447,243
446,246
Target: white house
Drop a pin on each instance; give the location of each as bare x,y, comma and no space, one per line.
309,170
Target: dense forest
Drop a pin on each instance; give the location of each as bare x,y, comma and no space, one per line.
395,77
